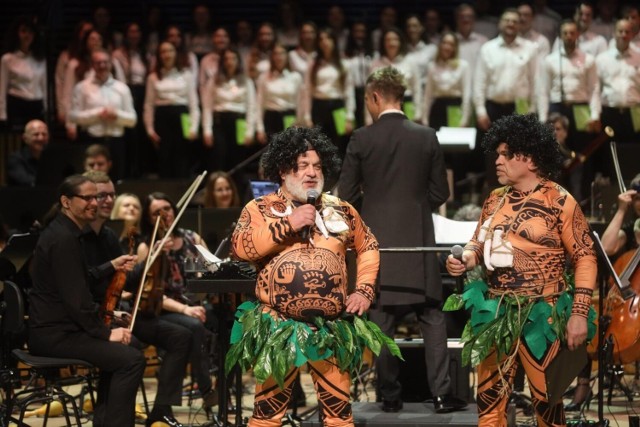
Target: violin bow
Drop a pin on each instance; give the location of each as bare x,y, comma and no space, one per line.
616,165
153,253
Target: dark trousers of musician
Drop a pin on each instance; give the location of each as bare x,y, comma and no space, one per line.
122,367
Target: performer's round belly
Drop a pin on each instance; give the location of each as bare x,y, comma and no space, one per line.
306,283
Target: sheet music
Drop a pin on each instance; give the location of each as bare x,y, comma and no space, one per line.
207,255
457,136
452,232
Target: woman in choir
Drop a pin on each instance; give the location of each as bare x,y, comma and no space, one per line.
228,119
23,76
360,54
448,87
278,95
257,61
171,112
173,34
133,60
393,52
330,96
303,55
199,40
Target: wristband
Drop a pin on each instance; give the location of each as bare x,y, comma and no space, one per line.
581,302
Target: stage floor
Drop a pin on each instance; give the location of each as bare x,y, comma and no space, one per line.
412,415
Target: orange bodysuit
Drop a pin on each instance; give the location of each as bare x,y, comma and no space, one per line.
544,227
301,280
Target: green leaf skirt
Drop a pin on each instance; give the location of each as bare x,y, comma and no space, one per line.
499,322
273,346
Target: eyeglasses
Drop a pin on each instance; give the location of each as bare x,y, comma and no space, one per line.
102,196
87,198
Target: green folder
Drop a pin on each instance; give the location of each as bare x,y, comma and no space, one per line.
241,130
522,106
185,121
288,121
635,118
581,116
454,116
340,120
409,109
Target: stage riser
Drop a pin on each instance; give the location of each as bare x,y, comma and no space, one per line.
368,414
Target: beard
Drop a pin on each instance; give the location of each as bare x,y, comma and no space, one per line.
297,191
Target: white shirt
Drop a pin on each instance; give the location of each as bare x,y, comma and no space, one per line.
22,76
229,96
409,69
619,75
133,66
278,92
70,81
451,79
175,88
208,69
542,44
579,82
61,69
504,73
328,86
192,64
469,48
90,97
588,42
299,60
359,66
422,54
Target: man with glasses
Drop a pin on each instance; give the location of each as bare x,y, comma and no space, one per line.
103,107
104,258
63,318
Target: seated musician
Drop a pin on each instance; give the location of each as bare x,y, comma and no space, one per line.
104,259
299,250
175,305
620,235
63,318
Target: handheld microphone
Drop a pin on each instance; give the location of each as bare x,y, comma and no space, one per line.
456,251
312,196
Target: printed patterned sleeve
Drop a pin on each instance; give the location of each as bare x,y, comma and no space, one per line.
255,238
366,246
574,232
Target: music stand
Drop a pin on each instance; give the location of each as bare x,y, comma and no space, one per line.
18,250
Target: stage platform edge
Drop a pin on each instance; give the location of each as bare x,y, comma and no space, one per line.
411,415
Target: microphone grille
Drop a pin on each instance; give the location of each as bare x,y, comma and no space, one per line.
456,251
313,194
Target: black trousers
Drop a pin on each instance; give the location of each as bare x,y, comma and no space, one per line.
322,116
174,149
274,120
124,365
434,332
21,111
176,341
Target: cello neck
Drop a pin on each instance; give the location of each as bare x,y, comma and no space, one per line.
625,277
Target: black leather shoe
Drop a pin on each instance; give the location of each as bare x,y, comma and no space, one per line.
444,404
391,405
166,419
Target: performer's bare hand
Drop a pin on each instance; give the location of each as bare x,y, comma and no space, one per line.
455,267
197,312
625,199
357,304
121,335
484,122
576,331
302,216
124,262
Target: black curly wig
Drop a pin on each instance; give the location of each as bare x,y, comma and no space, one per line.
527,136
285,147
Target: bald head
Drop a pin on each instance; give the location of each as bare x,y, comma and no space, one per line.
36,137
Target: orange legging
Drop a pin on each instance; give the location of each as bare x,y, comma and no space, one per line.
492,404
332,388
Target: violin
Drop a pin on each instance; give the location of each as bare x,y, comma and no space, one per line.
153,287
114,290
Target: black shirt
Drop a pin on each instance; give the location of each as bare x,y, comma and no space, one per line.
22,168
60,297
